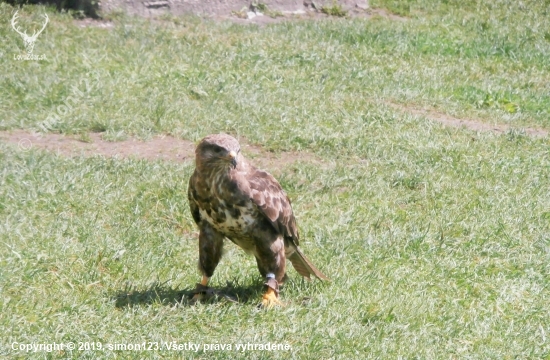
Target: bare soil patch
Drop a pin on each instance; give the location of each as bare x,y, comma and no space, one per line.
163,147
243,11
469,124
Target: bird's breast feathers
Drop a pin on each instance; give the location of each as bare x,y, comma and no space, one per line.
228,219
243,205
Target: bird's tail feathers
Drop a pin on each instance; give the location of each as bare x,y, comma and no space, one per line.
304,267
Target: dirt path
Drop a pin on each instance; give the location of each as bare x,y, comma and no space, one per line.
469,124
164,147
169,148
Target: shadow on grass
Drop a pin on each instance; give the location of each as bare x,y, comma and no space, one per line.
162,294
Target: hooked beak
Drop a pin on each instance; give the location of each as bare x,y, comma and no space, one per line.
232,157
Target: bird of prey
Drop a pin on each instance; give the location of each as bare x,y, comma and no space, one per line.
230,198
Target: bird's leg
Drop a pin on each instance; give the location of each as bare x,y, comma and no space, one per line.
271,296
270,257
210,253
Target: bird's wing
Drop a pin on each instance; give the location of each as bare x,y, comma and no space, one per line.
191,193
271,199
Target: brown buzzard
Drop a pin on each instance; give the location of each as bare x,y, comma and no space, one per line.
230,198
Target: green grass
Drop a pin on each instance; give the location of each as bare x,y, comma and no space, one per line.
437,240
334,10
188,77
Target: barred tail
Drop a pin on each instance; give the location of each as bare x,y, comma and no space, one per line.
304,267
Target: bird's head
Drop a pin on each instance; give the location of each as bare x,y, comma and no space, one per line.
219,152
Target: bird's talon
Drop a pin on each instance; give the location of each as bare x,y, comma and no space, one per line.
198,297
269,300
202,292
271,296
200,288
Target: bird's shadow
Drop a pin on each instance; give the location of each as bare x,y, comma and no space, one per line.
163,294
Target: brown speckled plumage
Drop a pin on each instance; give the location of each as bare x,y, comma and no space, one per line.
230,198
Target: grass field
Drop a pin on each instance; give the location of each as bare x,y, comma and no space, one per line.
437,239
